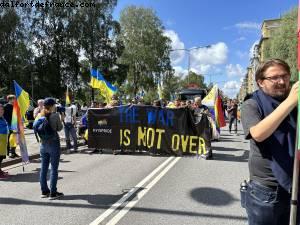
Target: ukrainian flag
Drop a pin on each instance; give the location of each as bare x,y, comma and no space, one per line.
3,136
106,89
22,98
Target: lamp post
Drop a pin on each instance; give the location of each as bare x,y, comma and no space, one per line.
188,50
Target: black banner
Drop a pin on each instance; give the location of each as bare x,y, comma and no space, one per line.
159,130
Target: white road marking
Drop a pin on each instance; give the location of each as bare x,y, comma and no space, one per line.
141,194
116,205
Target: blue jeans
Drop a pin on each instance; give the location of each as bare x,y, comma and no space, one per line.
233,121
70,130
50,154
267,206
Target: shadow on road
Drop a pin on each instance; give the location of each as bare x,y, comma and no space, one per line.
62,203
32,177
39,161
229,157
212,196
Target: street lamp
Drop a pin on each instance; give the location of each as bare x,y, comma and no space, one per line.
188,50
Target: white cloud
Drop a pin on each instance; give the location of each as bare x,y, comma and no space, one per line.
178,55
203,60
231,88
240,39
180,72
248,25
214,55
235,70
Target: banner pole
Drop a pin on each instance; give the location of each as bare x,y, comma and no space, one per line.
294,199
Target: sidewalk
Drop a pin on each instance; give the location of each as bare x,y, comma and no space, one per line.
33,147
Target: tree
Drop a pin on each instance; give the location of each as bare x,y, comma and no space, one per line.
14,55
171,85
193,78
57,49
284,42
146,50
99,39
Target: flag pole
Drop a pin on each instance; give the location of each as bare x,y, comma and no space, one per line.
294,199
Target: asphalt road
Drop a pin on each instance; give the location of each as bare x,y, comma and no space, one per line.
132,189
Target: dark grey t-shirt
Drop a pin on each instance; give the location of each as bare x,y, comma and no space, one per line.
259,158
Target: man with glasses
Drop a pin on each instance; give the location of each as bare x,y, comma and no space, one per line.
269,120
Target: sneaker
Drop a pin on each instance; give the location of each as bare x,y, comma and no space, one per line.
4,176
45,194
206,156
97,151
3,172
56,195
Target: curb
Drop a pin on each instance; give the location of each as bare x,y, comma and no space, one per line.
11,162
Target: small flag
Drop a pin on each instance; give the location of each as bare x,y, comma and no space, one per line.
18,127
22,98
106,89
68,102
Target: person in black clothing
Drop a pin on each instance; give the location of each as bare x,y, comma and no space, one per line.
8,111
232,115
269,119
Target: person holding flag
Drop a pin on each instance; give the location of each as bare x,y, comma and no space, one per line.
269,120
12,139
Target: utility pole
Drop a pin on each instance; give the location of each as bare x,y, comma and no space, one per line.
188,50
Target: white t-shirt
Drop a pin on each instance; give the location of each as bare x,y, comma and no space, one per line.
70,113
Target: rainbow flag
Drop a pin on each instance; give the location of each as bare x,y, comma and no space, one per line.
219,114
106,89
214,102
22,98
17,121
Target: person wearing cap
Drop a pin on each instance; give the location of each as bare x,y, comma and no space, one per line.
50,150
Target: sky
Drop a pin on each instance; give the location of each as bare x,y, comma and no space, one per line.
226,31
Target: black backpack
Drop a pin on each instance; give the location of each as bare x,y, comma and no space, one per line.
43,128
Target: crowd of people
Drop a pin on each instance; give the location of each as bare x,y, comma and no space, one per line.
50,117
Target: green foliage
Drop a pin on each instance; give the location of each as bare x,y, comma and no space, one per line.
171,85
150,96
146,50
40,48
193,78
284,42
14,56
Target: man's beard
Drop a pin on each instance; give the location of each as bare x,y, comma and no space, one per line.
279,95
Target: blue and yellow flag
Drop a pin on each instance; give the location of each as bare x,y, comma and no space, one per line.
22,98
106,89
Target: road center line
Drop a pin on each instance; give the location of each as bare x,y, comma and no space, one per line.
132,191
141,194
